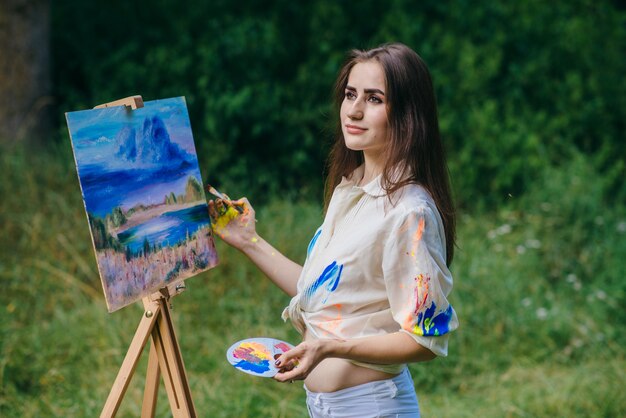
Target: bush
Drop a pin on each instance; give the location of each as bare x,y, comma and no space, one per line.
518,84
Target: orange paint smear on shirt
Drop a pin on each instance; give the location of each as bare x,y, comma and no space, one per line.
331,323
418,236
420,230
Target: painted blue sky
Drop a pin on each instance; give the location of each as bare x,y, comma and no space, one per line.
129,157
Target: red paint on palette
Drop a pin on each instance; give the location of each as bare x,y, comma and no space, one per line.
282,347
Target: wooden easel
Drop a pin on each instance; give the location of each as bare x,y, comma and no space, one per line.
165,357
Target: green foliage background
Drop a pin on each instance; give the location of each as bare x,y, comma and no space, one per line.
532,111
520,85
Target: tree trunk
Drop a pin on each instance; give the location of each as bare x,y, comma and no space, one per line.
24,70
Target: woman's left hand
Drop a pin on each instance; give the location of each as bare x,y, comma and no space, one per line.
297,363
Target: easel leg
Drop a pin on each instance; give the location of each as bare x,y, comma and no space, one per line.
152,385
165,359
129,365
172,366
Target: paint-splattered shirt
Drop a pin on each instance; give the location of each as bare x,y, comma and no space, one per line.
376,267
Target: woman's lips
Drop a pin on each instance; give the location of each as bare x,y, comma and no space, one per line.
355,130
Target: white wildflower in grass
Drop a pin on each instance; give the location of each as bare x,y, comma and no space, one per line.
526,302
533,243
542,313
573,280
504,229
601,294
501,230
520,249
621,227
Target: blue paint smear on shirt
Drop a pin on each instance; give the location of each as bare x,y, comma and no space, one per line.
260,367
435,325
313,241
330,276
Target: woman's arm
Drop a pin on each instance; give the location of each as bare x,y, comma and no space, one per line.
281,270
238,229
394,348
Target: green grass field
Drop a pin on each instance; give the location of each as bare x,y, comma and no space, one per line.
539,290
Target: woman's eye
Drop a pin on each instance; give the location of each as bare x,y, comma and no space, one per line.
350,95
375,99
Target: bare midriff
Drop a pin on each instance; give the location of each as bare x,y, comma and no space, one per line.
333,374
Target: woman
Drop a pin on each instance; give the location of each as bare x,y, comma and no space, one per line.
372,294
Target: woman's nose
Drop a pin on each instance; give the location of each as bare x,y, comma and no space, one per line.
355,111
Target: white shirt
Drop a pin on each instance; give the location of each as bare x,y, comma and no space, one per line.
375,267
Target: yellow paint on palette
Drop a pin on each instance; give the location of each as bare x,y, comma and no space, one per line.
259,350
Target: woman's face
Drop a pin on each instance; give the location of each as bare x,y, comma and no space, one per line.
364,109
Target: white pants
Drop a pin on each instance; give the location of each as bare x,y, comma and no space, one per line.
387,398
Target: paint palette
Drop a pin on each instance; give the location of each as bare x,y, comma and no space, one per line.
255,356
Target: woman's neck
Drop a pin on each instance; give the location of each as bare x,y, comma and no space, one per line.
373,166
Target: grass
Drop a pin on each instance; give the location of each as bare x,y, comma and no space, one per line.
539,291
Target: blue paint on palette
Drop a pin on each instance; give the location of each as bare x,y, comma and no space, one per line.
257,367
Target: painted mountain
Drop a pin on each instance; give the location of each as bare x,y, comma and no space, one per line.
143,194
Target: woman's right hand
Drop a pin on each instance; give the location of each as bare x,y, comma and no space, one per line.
235,222
236,228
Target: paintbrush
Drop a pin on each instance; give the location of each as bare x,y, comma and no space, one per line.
224,197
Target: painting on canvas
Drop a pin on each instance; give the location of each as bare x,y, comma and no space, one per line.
142,189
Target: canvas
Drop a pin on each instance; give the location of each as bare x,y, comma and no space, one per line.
143,194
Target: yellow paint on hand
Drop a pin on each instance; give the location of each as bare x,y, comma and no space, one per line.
219,227
254,239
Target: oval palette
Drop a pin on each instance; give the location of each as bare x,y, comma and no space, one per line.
256,356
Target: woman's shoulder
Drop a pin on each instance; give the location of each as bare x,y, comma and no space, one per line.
412,197
414,203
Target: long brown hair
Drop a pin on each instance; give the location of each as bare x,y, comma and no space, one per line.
414,143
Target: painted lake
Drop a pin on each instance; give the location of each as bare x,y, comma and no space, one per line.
168,229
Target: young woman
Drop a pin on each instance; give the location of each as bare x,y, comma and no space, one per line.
372,294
